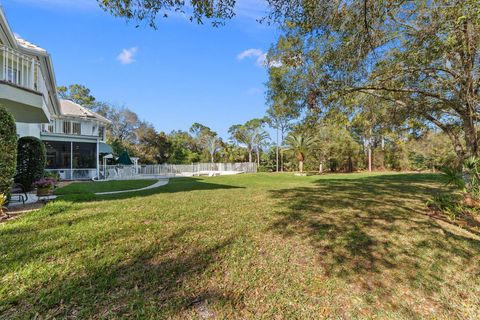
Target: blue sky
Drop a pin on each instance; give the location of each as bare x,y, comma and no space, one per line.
174,76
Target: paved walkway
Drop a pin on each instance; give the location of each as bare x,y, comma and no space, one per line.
32,197
159,183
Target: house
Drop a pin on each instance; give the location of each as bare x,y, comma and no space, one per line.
75,140
73,135
27,80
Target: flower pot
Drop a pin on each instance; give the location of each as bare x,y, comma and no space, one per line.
44,191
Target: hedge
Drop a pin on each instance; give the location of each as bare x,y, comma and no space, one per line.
31,161
8,152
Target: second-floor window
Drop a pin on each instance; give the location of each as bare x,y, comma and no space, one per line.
101,131
70,127
76,128
67,127
49,127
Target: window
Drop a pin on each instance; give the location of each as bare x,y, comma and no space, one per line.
58,154
49,127
77,128
84,155
70,127
101,131
67,127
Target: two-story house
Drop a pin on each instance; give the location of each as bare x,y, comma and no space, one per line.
27,79
73,135
75,141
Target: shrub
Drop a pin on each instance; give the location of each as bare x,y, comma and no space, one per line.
3,203
8,154
449,204
31,161
52,175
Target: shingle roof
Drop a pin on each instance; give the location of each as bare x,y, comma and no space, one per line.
71,109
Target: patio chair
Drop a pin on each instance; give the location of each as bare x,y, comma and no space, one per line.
18,193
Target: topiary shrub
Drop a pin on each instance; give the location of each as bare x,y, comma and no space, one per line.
31,161
8,152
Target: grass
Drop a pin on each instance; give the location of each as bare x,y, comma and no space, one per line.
248,246
103,186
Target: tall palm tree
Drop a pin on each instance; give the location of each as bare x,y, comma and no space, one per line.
212,144
300,144
260,138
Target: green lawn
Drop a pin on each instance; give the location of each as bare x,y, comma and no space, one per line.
247,246
103,186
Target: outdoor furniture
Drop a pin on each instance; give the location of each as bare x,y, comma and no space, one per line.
18,193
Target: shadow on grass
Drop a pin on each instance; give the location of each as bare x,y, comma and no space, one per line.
372,232
158,279
174,185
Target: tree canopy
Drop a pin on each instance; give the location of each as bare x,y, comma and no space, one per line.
420,59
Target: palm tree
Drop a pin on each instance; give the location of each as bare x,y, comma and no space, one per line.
259,139
300,144
247,134
212,143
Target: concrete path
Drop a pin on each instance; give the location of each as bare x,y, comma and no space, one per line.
32,197
157,184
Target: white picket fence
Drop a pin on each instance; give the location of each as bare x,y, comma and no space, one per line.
121,172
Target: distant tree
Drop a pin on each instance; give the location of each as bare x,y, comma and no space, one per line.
284,105
184,148
212,144
79,94
300,144
124,124
206,138
250,134
260,140
151,146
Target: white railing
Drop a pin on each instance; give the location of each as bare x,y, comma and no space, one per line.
21,70
75,174
79,128
121,172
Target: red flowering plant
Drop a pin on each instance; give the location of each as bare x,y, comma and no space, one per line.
45,183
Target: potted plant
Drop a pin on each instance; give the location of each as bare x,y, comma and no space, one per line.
45,186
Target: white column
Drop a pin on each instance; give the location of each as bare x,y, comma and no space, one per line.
98,160
71,160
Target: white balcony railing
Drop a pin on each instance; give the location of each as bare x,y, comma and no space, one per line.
69,127
21,70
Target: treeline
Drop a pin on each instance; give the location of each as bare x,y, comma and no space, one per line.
341,141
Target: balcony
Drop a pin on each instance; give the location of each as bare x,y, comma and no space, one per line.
71,128
22,87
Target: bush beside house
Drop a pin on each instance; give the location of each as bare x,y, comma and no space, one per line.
8,154
31,161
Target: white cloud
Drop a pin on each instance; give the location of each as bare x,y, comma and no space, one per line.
127,56
258,54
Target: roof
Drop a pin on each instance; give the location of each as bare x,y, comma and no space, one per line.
8,38
28,45
71,109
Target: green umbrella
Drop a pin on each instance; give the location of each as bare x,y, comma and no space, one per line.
125,159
